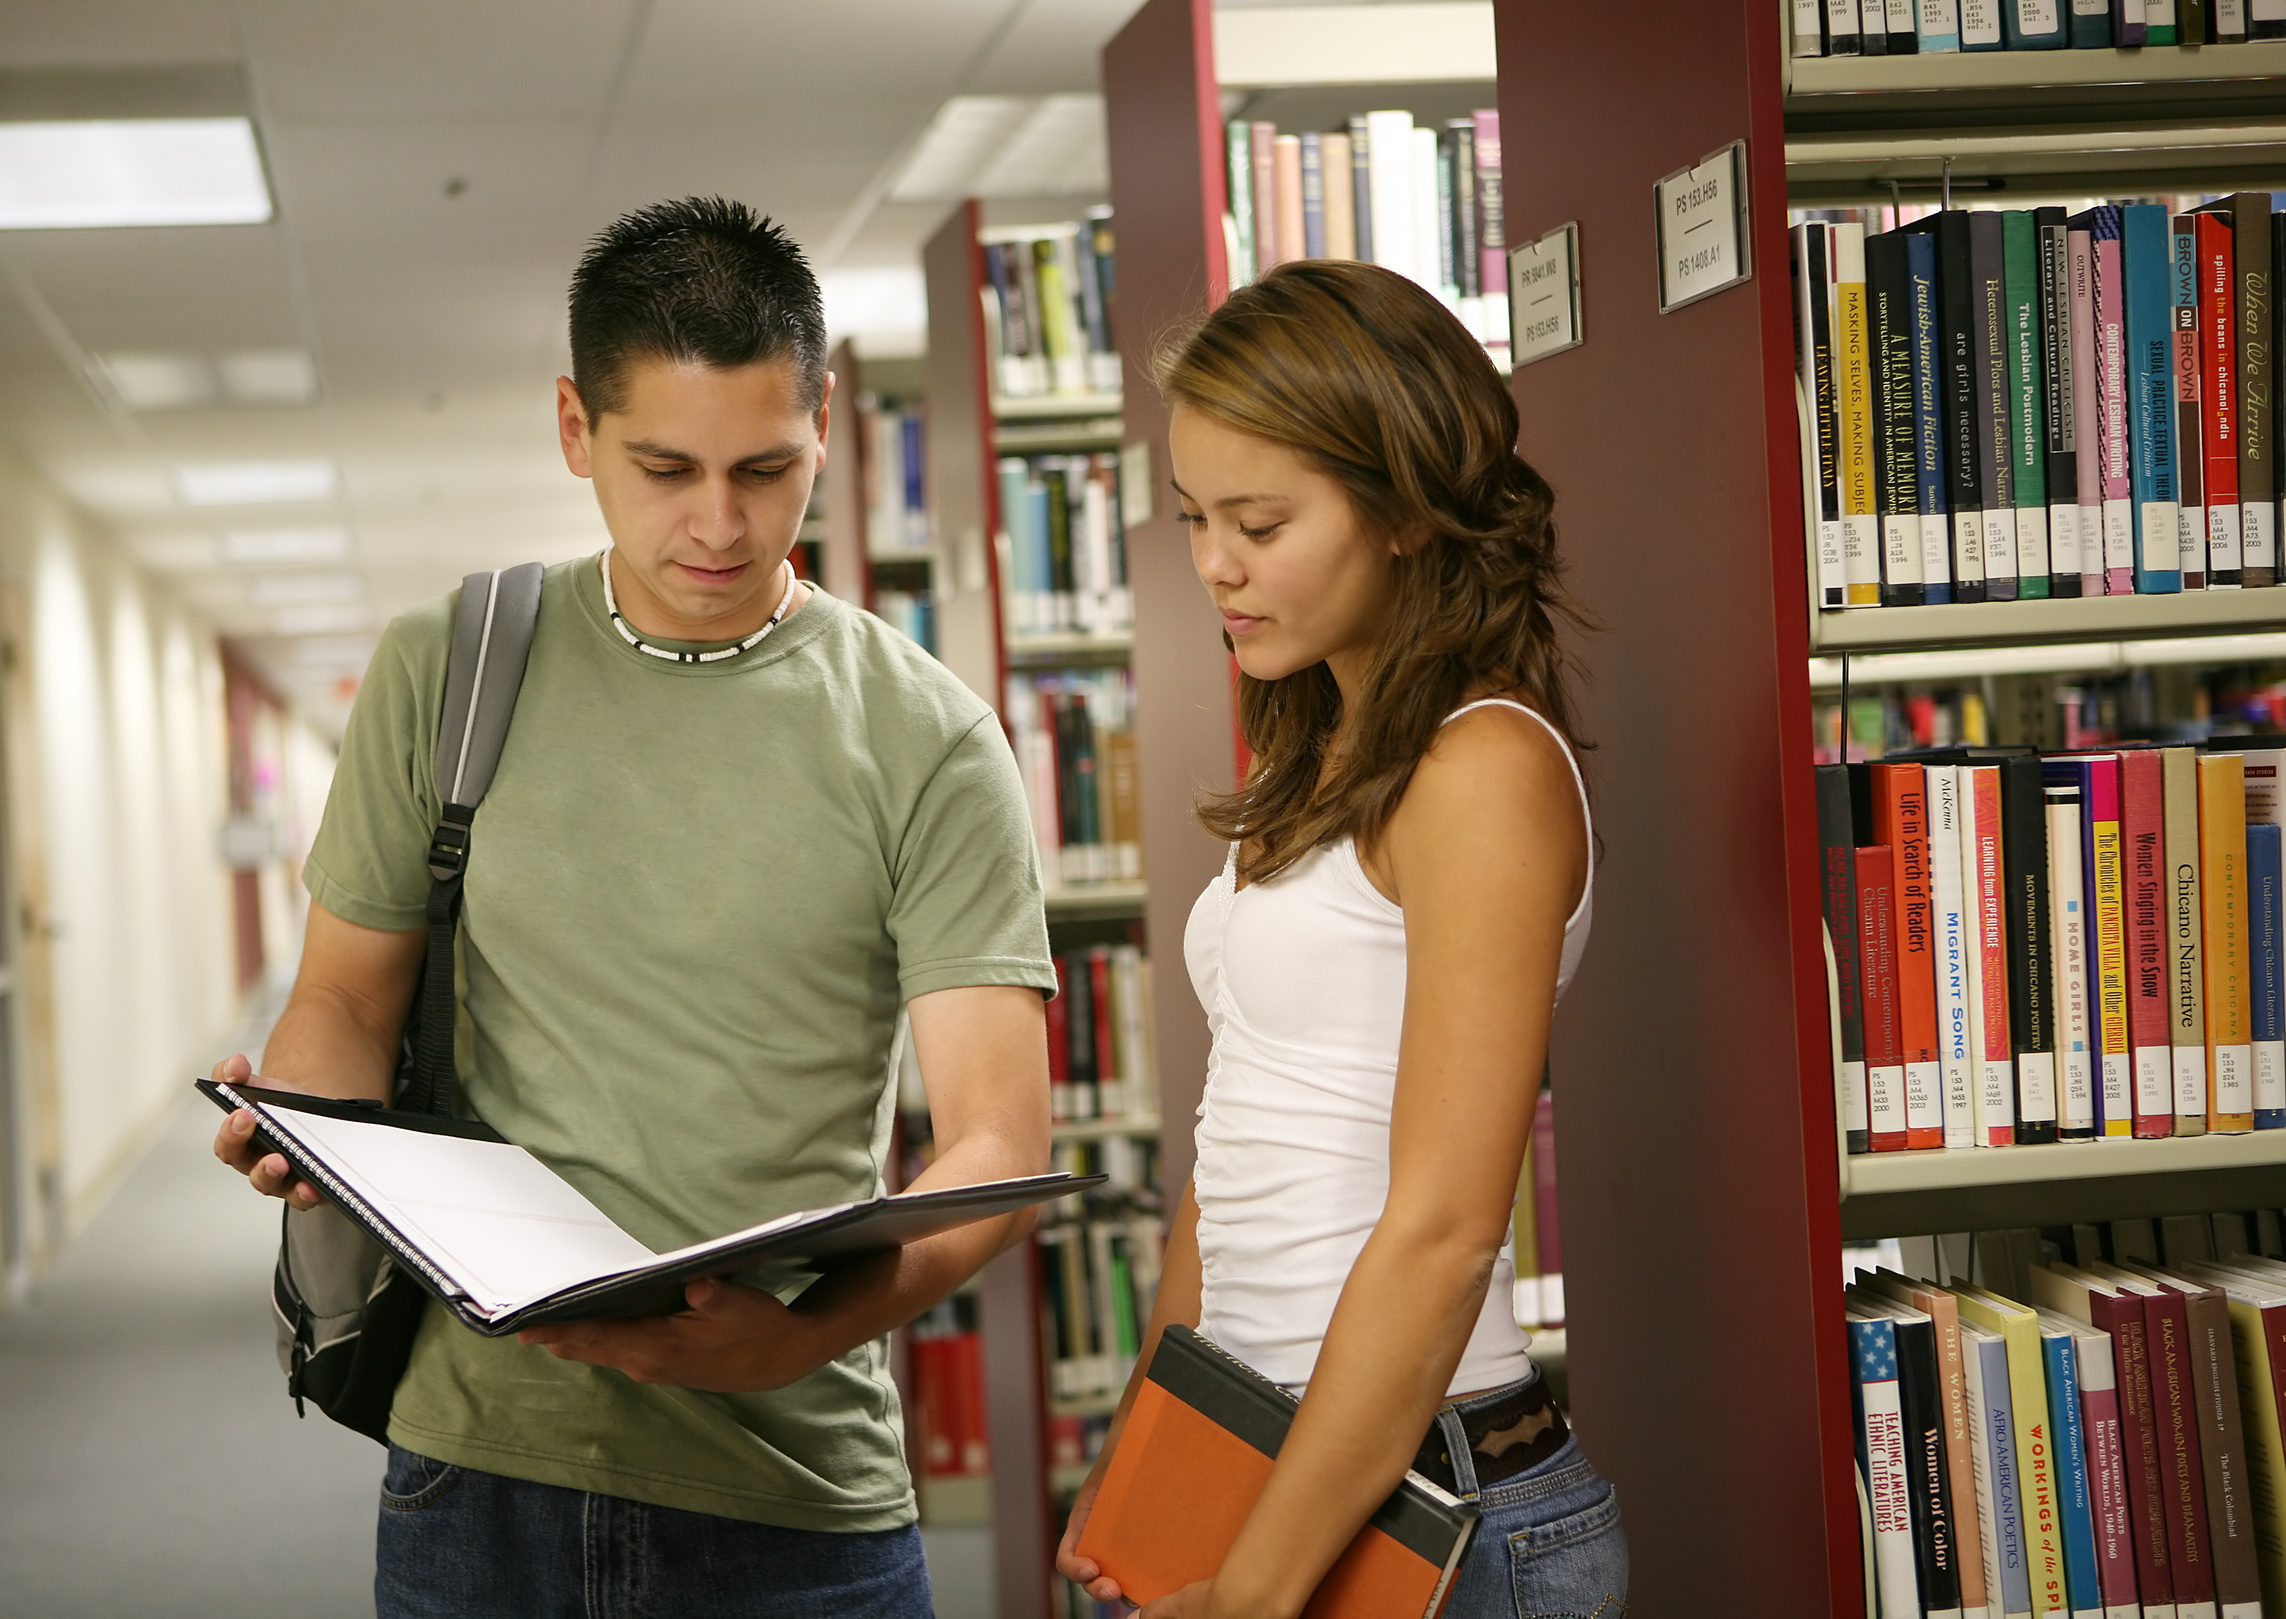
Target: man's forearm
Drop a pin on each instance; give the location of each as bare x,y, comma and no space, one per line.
328,1043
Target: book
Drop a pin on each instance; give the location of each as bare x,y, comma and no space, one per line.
2148,287
1361,185
1896,472
2102,869
1928,419
1958,370
1843,29
2075,1502
1928,1476
2186,956
1900,820
2229,21
1853,391
2249,214
1996,459
2022,286
1239,163
1812,265
1492,230
2190,455
1881,1452
2018,1328
2032,1009
1197,1449
1990,1021
2256,1299
1310,182
2159,27
1389,155
2067,909
1838,860
2218,395
1937,26
1999,1493
2061,456
2033,25
2266,969
2128,28
2222,888
2109,1308
2222,1442
2106,1467
1979,1595
2175,1422
1262,157
1951,932
1340,188
1980,25
2086,400
2112,386
504,1243
2143,844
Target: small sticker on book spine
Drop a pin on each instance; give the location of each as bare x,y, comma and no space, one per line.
2153,1079
2233,1080
2036,1087
2162,545
2191,1081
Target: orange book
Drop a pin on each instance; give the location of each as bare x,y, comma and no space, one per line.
1901,820
1193,1457
2222,886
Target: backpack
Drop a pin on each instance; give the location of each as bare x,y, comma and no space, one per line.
346,1315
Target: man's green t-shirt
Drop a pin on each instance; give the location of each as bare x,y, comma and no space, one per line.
697,895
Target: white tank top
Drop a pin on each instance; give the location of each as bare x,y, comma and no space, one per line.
1303,982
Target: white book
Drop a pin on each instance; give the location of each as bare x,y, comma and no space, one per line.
2068,929
2230,17
1882,1415
1873,18
1809,35
1939,20
1956,1064
1901,17
1389,185
1428,243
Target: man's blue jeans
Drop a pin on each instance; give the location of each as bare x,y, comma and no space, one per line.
455,1543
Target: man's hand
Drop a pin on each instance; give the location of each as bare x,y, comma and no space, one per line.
732,1340
267,1173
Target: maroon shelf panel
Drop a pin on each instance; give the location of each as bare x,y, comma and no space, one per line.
963,491
1700,1213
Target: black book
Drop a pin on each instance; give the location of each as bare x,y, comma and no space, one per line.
2051,235
1468,263
1995,454
1079,1020
1873,27
1905,41
1929,1492
1842,38
1956,355
1814,358
1896,484
416,1206
1837,878
2031,975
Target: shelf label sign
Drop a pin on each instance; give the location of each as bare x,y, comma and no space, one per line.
1544,295
1702,228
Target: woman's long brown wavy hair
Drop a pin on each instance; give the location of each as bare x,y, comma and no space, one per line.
1376,383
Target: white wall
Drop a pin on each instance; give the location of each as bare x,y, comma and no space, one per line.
132,764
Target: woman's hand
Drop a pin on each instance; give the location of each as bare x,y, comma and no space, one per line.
1082,1571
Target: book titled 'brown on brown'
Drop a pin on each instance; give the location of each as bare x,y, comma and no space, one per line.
1195,1454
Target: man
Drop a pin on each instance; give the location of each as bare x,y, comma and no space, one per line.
697,895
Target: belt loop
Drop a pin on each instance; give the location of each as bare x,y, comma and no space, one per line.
1457,1446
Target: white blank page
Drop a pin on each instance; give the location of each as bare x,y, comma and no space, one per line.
500,1223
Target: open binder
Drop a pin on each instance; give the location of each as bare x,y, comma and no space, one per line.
505,1243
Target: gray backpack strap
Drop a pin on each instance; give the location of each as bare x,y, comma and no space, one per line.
491,639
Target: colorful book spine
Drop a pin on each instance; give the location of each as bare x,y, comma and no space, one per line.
2120,1316
2143,829
2266,941
2222,885
2062,457
1240,156
1881,1453
1980,25
1853,373
2067,906
1937,26
1361,184
1996,458
1901,821
1491,225
2257,426
2107,1472
2190,457
2103,874
1953,934
1813,351
2090,24
1884,1040
2027,424
1984,875
2218,396
2075,1503
1928,419
2019,1329
2087,401
2128,29
1992,1420
2148,285
2032,1011
2112,382
2033,25
1310,152
2186,955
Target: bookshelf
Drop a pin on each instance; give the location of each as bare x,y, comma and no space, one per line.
1707,1133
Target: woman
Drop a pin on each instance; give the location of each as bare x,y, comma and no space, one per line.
1407,895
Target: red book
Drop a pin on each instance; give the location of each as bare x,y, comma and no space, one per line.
965,1372
1884,1037
2143,857
2121,1314
1059,1047
932,1392
2175,1416
1901,820
1110,1083
2218,394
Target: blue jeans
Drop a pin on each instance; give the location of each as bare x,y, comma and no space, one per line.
455,1543
1549,1545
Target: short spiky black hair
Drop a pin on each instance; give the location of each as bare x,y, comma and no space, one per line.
699,280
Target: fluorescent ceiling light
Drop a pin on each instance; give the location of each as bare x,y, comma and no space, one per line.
1058,151
266,545
887,298
142,171
328,620
255,483
159,381
268,376
965,134
301,589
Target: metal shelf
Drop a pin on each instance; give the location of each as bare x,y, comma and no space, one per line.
2185,72
1095,901
1141,1126
1064,650
2068,657
1053,407
2085,618
1914,1193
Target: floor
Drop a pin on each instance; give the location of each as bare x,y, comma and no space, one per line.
151,1466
